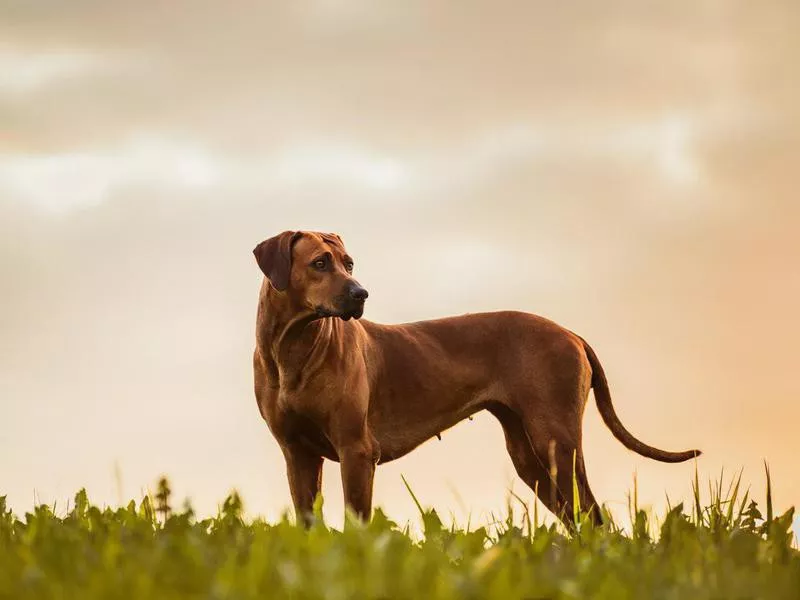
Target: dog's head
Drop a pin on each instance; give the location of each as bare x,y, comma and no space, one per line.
315,270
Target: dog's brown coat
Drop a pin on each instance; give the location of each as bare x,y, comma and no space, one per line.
362,393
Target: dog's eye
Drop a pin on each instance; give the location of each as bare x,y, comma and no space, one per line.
349,267
320,264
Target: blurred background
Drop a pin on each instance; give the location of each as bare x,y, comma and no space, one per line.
627,169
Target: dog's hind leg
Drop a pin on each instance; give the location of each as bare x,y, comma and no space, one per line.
558,448
547,469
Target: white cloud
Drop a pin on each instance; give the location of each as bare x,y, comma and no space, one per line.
26,71
674,153
346,163
79,179
663,143
74,179
69,180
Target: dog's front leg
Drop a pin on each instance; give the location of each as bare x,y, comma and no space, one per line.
304,471
358,470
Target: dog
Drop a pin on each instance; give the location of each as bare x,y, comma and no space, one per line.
330,384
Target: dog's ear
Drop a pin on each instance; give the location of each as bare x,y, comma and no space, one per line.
274,258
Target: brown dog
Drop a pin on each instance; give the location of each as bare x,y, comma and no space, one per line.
362,394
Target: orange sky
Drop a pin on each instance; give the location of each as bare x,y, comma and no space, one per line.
627,170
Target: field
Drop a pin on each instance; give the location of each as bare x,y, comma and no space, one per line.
725,549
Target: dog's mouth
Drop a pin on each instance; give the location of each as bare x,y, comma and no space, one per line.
323,312
355,311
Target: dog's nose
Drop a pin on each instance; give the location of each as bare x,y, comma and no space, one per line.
358,293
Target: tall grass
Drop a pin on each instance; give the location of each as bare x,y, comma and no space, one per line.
721,547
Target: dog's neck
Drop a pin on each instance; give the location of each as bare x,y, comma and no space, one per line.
294,340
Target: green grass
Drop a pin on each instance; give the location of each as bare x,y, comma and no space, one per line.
725,548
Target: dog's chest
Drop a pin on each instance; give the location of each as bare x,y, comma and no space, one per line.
298,418
304,430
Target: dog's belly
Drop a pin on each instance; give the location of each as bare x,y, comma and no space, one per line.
403,435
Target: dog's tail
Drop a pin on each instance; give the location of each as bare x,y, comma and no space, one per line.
602,396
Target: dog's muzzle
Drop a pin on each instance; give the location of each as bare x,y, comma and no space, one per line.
349,305
353,304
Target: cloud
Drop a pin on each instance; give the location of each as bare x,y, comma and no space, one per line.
23,71
330,161
60,181
70,180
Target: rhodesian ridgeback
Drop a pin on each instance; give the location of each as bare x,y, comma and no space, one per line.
332,385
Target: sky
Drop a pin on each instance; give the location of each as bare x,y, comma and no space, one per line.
627,169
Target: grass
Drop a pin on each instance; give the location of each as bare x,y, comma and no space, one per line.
725,547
